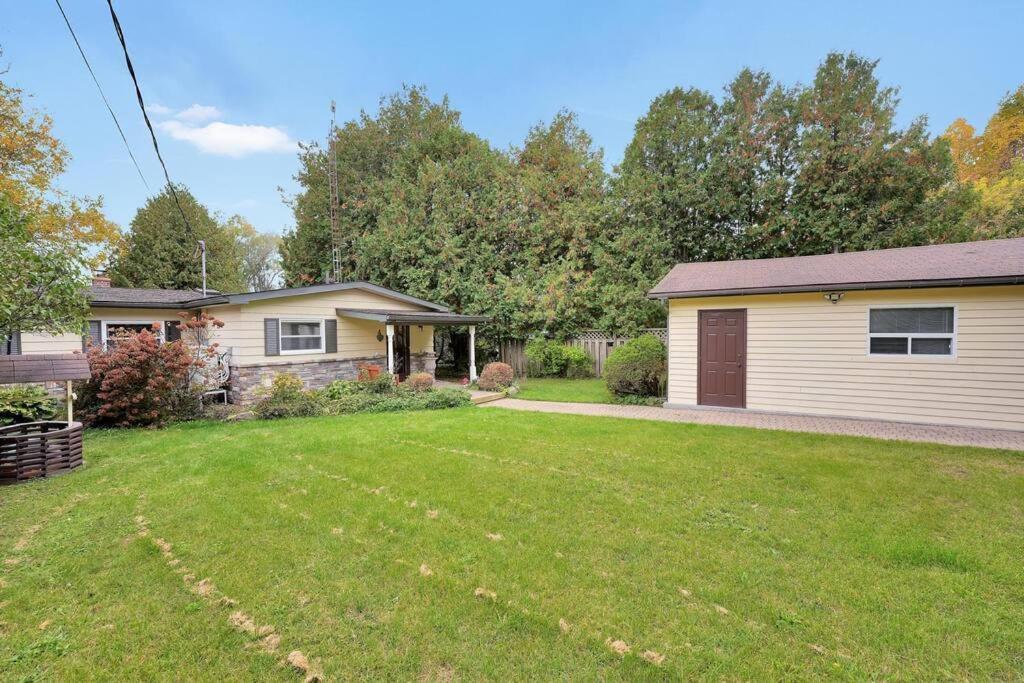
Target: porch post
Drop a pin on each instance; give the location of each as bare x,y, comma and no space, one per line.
391,348
472,353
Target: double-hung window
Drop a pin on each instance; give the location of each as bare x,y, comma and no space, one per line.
926,331
302,336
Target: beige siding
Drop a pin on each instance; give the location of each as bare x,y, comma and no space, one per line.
809,356
243,326
67,343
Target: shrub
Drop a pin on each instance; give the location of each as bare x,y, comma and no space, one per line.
578,364
27,403
133,382
496,377
383,384
549,358
287,397
420,381
402,398
637,368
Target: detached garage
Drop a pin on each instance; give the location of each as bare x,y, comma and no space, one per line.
922,334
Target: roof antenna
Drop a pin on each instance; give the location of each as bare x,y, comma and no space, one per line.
332,176
201,252
835,248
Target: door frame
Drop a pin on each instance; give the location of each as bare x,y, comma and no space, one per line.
406,356
701,312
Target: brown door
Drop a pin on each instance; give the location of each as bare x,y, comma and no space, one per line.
402,352
722,378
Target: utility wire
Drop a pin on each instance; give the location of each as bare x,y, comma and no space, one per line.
142,106
102,94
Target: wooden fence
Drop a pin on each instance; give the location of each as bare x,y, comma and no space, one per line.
598,344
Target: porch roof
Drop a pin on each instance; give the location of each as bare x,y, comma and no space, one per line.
397,317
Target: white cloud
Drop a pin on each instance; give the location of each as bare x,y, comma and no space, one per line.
158,109
198,113
227,139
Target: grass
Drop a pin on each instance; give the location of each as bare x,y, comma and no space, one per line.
569,390
735,554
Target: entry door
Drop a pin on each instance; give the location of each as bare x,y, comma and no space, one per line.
402,352
722,379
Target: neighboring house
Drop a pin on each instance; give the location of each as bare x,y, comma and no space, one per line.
929,334
320,333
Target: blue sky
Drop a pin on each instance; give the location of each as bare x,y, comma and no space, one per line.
263,73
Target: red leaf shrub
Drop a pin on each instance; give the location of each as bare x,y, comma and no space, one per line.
134,381
496,377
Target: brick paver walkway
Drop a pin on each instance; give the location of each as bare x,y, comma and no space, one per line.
879,429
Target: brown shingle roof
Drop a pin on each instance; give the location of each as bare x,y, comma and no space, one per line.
965,263
131,296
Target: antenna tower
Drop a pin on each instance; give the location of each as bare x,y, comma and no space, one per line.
332,175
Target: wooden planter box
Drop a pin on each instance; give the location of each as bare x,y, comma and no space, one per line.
39,449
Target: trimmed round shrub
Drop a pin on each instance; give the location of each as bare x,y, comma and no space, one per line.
550,358
496,377
420,381
637,368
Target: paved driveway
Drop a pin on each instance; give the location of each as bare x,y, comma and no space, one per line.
879,429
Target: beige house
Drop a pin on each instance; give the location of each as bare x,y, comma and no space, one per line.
320,333
929,334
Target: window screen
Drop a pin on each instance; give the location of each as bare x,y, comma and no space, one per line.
301,335
911,331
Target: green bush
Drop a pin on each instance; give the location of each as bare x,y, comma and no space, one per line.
578,364
637,368
549,358
28,403
402,398
287,397
383,384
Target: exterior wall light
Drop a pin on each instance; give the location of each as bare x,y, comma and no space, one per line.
833,297
380,336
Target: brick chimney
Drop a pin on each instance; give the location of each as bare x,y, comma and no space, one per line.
100,279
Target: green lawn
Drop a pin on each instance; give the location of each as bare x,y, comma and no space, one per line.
571,390
362,541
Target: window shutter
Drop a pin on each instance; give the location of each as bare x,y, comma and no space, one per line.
95,335
331,336
172,332
271,337
15,343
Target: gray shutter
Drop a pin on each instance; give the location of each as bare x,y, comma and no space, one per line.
172,332
15,343
271,338
95,335
331,336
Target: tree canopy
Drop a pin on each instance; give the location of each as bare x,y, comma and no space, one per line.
42,283
31,161
159,249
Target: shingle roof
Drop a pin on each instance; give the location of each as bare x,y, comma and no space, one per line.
965,263
132,297
387,315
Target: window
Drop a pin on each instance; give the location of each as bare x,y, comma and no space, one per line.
911,331
302,336
112,328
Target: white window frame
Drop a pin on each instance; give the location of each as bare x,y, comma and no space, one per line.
952,336
298,352
114,323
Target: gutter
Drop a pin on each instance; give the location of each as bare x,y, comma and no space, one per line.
850,287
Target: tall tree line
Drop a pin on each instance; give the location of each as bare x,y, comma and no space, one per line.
544,240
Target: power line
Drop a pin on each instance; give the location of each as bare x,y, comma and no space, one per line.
102,94
142,106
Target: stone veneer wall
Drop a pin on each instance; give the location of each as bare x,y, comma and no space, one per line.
315,374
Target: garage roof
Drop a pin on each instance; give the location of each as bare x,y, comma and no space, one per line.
941,265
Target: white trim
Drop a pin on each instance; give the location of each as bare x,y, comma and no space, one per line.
952,336
104,323
298,352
